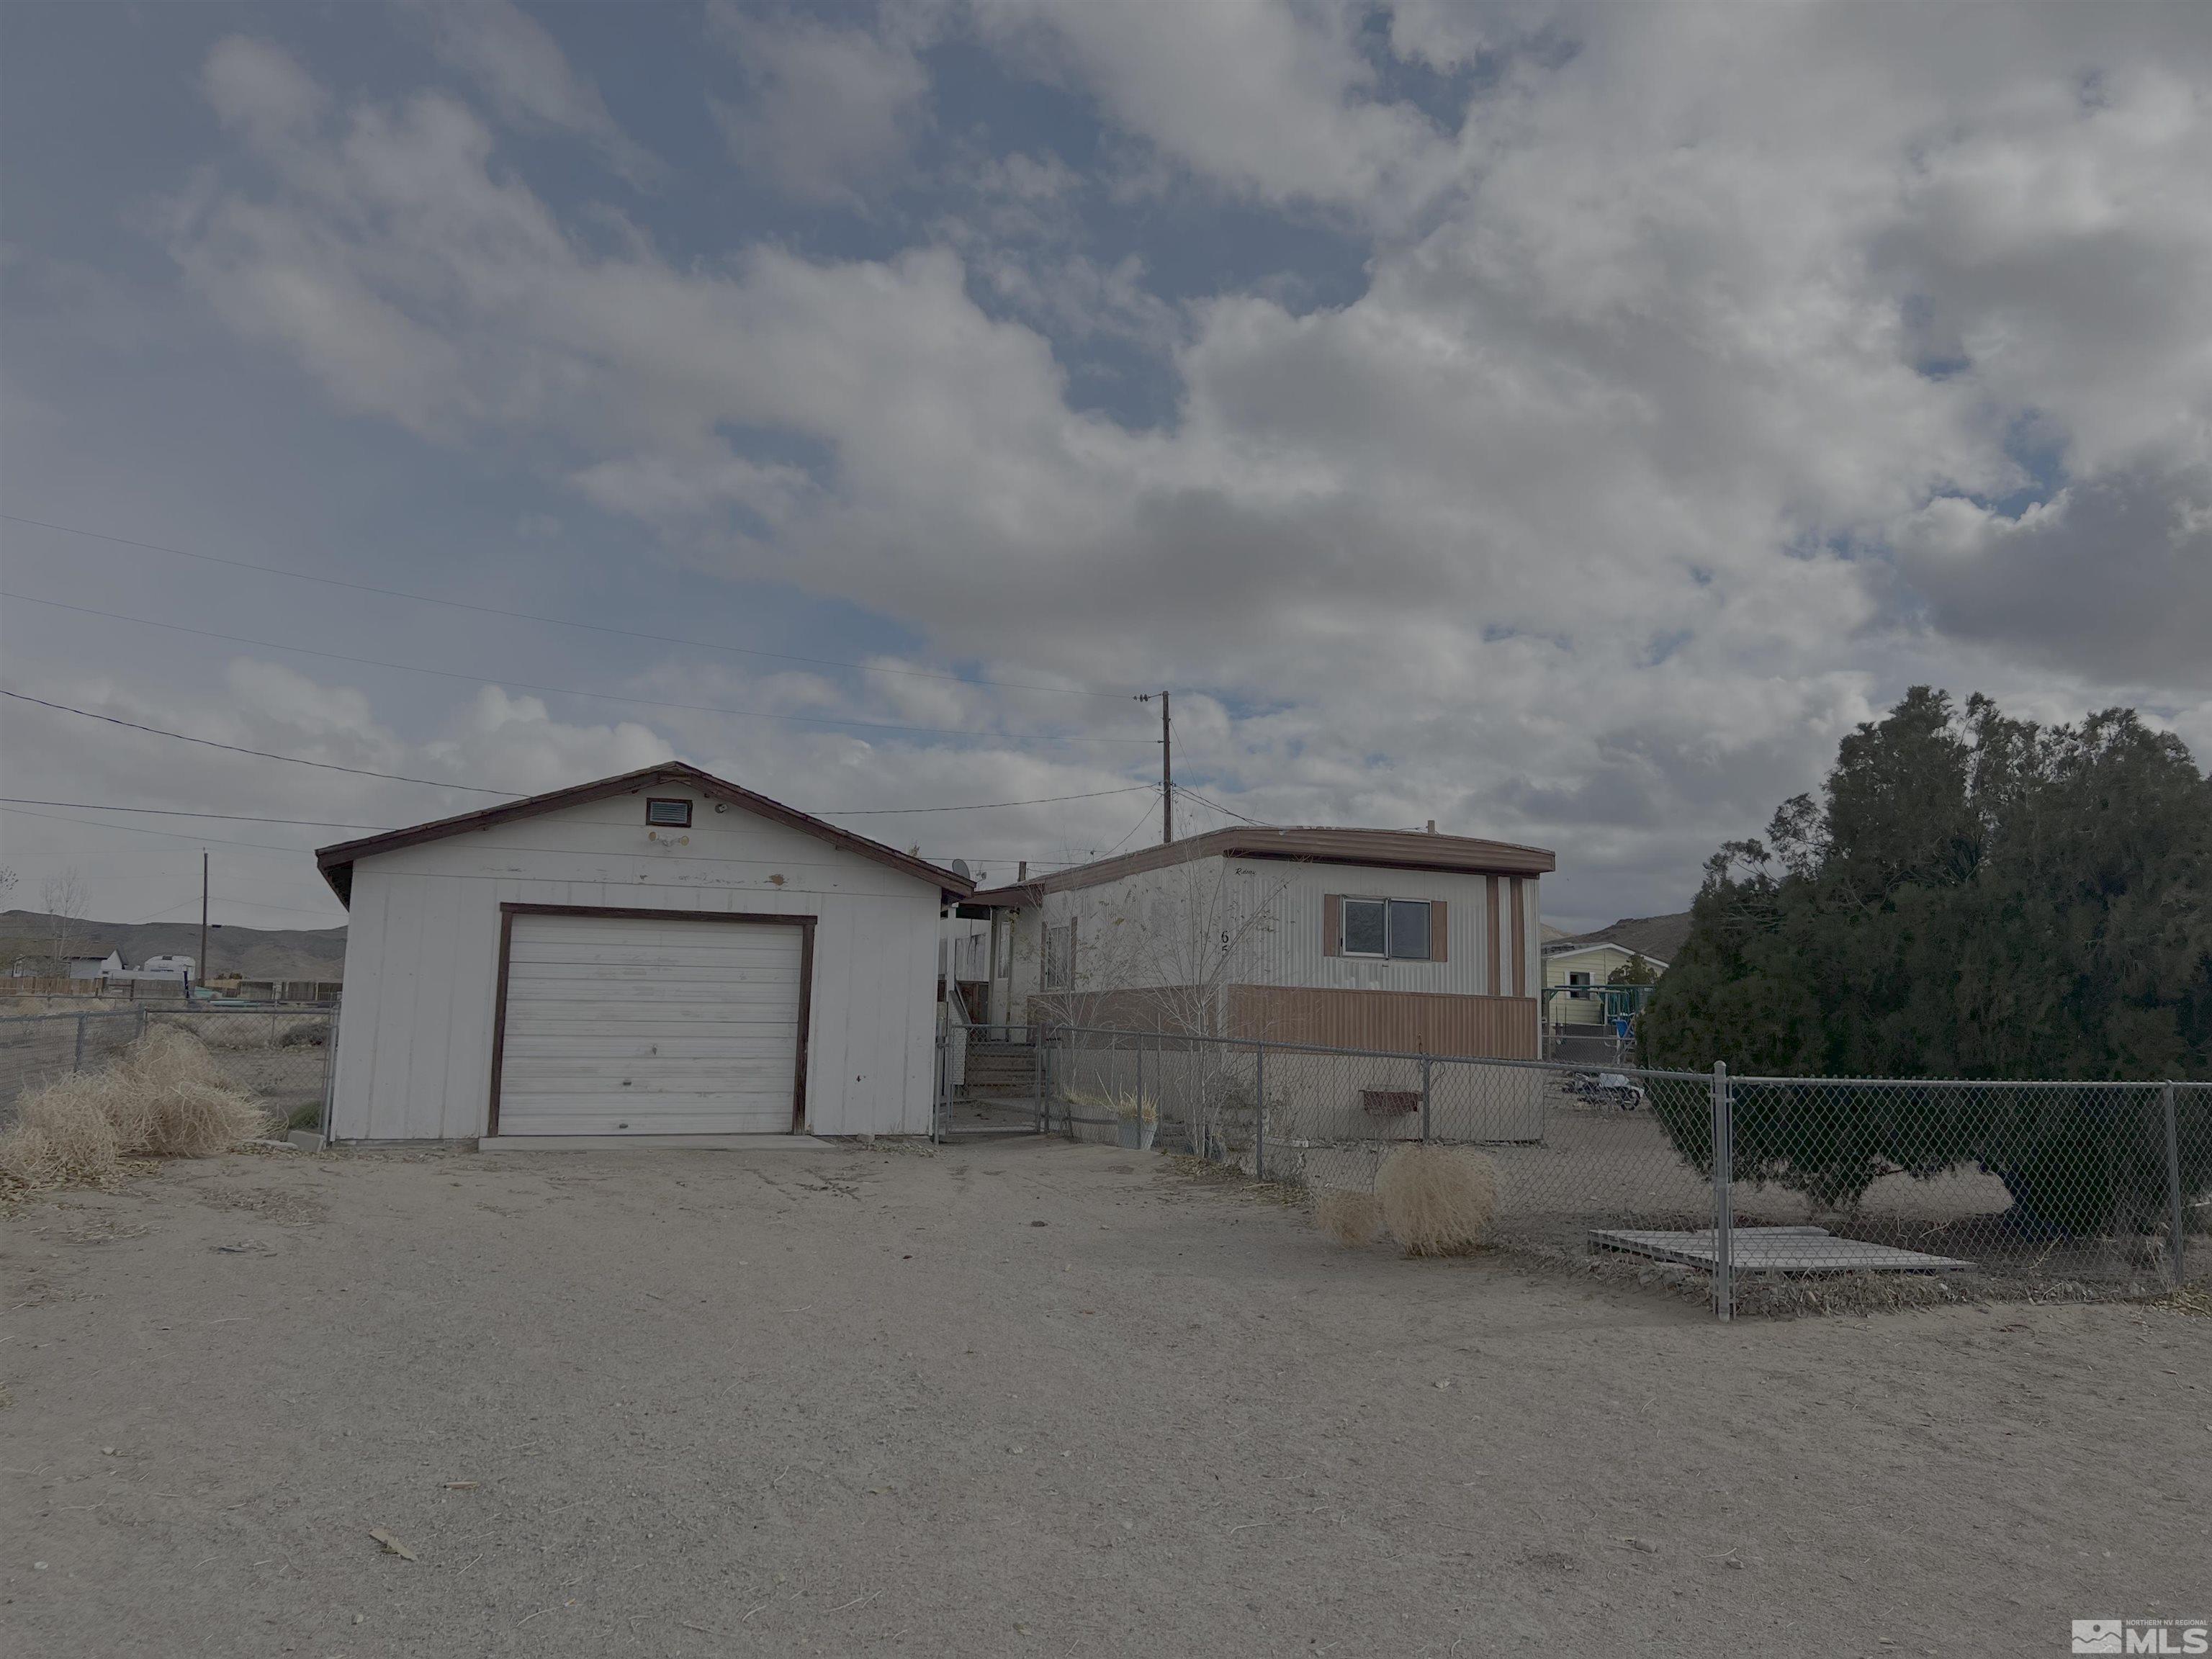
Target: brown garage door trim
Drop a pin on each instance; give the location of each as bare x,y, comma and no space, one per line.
508,912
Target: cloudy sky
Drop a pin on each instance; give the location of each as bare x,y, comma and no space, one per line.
1559,422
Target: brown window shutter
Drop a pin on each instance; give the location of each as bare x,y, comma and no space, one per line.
1439,932
1332,924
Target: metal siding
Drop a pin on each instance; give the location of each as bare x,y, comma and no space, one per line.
1522,909
440,932
1289,949
403,1076
1289,952
354,1080
1399,1021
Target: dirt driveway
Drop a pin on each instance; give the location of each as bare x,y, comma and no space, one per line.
1016,1398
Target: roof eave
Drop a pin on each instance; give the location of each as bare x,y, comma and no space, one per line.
337,861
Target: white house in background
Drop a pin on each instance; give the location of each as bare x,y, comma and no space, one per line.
1573,975
78,965
1577,964
1362,939
661,954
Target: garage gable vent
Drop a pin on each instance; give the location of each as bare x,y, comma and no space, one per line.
675,814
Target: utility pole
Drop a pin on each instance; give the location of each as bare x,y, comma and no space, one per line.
1167,775
201,966
1167,768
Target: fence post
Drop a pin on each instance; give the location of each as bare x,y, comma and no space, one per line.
329,1067
1260,1111
77,1064
1723,1198
2174,1216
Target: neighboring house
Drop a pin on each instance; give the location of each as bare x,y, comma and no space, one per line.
658,954
81,963
1574,976
1576,965
1365,939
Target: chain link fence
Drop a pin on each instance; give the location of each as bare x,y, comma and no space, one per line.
2080,1189
281,1055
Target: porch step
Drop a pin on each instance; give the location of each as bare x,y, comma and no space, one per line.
999,1068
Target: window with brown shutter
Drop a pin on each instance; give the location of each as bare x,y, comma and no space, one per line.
1439,932
1397,930
1332,924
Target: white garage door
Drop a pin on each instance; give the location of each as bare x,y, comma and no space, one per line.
650,1026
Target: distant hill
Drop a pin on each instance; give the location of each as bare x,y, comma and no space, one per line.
1660,938
255,952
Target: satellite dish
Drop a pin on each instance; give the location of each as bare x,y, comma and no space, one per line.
960,868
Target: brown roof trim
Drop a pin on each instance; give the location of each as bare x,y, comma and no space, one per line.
1389,849
336,862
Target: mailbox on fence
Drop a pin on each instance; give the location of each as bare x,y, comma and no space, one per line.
1390,1102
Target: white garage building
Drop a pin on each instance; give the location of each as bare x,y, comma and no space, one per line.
661,954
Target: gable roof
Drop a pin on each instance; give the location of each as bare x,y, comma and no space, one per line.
336,862
1660,938
1392,849
1562,951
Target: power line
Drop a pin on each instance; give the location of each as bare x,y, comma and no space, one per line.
571,691
976,806
172,834
158,914
1185,789
395,777
270,847
170,812
559,622
235,749
1143,818
8,801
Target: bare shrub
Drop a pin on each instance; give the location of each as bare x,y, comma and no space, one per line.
82,1142
27,1158
166,1097
1349,1217
1437,1200
184,1106
194,1121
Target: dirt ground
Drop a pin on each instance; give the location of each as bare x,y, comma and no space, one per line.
1016,1397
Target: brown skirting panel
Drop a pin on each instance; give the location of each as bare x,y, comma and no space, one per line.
1402,1022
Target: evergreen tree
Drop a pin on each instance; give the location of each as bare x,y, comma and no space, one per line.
1971,897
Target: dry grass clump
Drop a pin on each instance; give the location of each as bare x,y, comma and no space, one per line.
167,1097
1437,1200
62,1138
1348,1217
